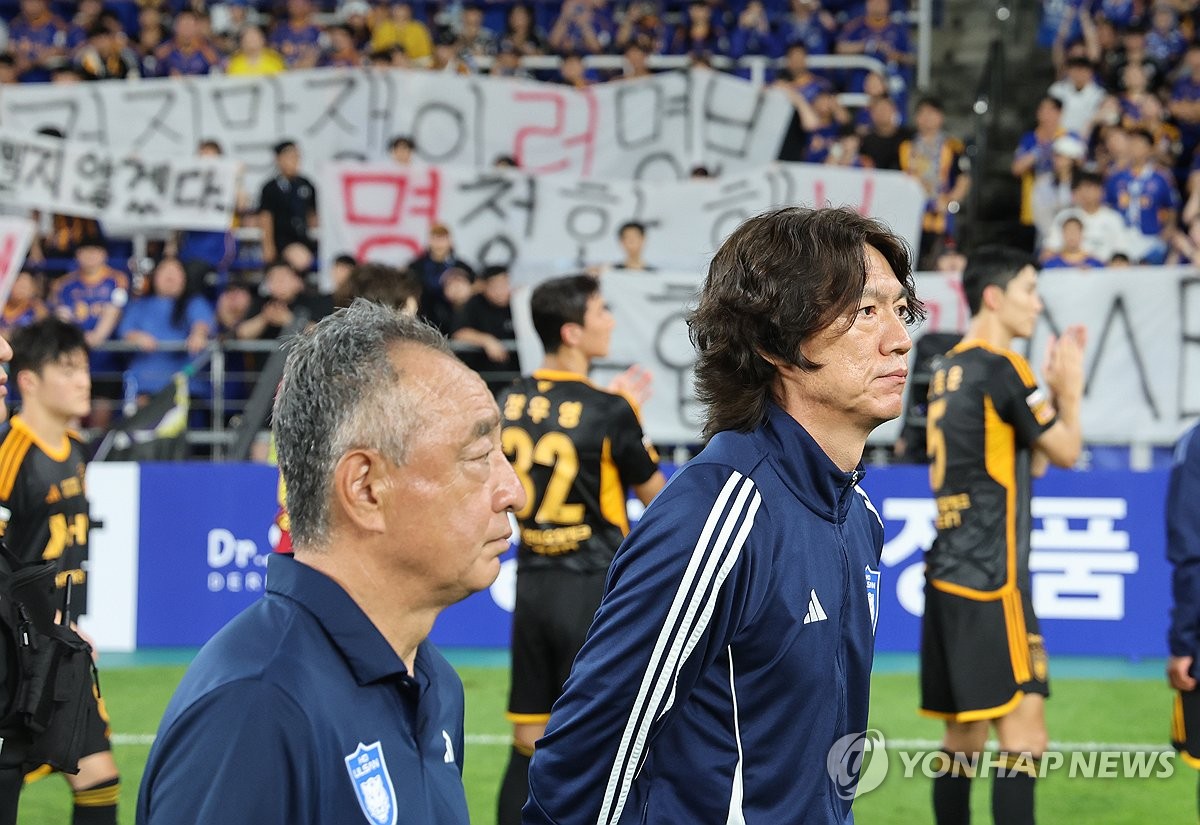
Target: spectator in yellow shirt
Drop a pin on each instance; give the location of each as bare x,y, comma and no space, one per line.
398,28
253,57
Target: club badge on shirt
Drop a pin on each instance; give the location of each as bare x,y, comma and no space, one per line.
873,595
372,783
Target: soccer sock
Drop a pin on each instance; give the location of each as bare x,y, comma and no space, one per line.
952,791
1012,790
514,790
97,805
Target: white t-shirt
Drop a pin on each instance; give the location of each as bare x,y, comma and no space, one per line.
1079,105
1104,232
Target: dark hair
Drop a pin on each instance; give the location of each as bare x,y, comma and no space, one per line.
1079,62
932,102
779,279
1072,219
346,260
493,271
209,143
1051,99
44,342
179,307
560,301
1083,177
1141,132
992,265
381,284
640,227
283,146
402,139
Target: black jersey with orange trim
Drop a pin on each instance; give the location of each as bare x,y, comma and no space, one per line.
43,503
576,449
985,414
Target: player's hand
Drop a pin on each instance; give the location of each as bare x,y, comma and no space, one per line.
635,384
1064,363
1178,674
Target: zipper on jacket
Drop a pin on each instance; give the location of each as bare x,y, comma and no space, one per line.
839,657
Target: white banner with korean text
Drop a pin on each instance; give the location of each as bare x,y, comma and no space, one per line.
16,235
548,225
654,128
1142,363
118,187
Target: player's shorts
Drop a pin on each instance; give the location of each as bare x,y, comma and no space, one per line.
979,658
553,612
1185,726
97,736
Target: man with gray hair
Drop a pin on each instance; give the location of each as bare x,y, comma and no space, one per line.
324,701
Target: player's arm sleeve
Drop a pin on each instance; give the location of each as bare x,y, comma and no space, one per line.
1183,548
236,756
678,590
1020,402
635,461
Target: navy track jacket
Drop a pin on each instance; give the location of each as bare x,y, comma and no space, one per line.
1183,546
732,650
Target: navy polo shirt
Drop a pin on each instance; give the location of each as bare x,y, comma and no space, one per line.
298,711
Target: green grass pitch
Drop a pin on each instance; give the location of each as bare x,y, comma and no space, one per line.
1081,710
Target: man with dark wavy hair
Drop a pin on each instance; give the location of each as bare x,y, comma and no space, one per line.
725,677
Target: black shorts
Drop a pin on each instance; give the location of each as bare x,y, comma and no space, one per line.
553,612
1185,726
979,658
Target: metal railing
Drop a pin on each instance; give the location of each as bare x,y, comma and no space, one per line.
234,423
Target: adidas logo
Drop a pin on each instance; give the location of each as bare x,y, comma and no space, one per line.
816,613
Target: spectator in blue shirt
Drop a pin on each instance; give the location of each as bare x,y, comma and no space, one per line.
642,24
583,26
1072,254
170,313
809,25
799,77
40,39
699,32
188,52
754,33
876,35
1165,44
325,702
1146,196
298,38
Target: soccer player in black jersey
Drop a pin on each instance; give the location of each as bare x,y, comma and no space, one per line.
45,511
990,429
576,448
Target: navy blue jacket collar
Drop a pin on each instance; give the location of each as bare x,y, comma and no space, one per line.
805,467
368,654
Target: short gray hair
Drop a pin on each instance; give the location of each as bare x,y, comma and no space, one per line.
339,392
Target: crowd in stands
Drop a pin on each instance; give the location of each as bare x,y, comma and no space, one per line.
1110,172
200,286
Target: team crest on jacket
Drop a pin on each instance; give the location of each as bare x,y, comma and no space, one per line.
873,595
372,784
